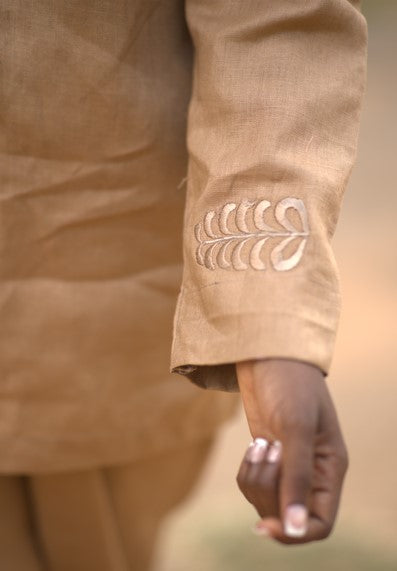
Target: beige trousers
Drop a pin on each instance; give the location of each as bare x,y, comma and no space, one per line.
104,519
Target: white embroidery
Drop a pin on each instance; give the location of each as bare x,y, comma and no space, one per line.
222,245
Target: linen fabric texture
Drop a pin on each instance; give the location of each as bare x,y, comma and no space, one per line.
272,136
171,177
92,154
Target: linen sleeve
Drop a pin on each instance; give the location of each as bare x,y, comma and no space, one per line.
272,131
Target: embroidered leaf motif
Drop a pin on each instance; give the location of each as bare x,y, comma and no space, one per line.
234,238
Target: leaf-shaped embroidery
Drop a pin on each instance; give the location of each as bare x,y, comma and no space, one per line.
255,260
297,204
258,216
221,258
208,257
237,262
199,252
276,256
224,217
243,223
241,215
278,262
207,223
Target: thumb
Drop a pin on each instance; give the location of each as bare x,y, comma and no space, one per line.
296,479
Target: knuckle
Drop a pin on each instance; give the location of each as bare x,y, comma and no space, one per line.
342,459
259,487
241,481
246,482
246,492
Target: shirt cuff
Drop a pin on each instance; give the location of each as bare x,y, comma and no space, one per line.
206,348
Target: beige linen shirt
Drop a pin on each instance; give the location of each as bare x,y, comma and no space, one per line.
107,109
272,135
93,101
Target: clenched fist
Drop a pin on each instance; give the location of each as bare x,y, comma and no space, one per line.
293,474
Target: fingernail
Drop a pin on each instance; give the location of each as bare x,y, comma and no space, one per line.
256,451
259,529
274,452
296,519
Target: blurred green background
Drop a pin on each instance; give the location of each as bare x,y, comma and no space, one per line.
212,531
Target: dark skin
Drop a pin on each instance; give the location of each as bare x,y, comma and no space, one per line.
288,401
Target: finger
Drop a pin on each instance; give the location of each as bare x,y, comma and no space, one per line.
273,527
295,480
258,478
327,482
329,469
254,454
265,480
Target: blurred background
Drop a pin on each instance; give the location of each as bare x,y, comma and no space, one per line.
212,531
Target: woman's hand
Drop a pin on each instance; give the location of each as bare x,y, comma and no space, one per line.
296,486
